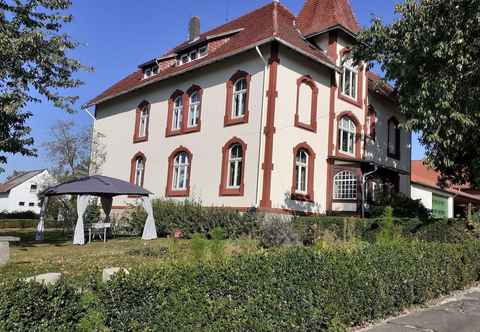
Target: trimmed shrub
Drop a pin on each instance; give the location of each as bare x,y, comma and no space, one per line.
19,215
276,232
294,289
191,217
403,207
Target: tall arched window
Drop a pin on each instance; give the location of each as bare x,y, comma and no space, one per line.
239,98
142,119
372,123
177,113
236,110
137,169
233,168
303,173
179,170
393,138
349,80
345,186
194,109
307,100
347,131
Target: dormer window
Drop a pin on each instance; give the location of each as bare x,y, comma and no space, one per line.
150,71
193,55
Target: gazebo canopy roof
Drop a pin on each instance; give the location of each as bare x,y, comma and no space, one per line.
96,185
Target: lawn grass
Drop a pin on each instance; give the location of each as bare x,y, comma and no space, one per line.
58,254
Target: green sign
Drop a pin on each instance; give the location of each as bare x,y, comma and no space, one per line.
439,206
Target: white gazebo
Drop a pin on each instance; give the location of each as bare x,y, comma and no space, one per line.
99,186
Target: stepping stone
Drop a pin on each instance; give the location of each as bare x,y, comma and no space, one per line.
110,272
46,279
5,248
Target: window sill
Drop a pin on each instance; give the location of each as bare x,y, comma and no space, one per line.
347,155
235,121
178,132
350,100
178,193
309,127
140,139
231,191
345,200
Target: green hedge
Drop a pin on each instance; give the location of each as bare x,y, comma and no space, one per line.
296,289
25,223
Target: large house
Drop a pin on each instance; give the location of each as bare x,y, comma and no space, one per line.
20,192
266,111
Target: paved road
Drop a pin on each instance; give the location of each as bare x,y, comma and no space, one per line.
459,314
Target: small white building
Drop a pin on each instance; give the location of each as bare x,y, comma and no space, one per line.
20,192
444,202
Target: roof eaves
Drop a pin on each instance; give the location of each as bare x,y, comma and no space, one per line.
199,65
333,27
224,34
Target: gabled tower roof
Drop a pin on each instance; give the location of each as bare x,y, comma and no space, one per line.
319,15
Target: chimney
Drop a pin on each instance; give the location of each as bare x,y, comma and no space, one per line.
194,28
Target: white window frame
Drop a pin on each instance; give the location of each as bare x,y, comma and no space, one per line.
350,90
235,167
139,171
345,186
301,169
242,98
177,113
180,171
348,126
194,110
142,130
202,51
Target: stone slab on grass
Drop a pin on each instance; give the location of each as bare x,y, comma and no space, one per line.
46,278
4,253
110,272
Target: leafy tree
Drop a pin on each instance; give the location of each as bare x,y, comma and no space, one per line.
34,65
431,52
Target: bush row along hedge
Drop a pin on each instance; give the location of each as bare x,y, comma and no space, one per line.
296,289
26,223
18,215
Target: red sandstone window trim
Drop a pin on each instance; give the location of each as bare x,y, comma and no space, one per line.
224,190
133,166
312,126
144,105
360,73
170,131
169,191
358,135
186,110
309,197
229,120
395,154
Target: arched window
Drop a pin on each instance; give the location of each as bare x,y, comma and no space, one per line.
233,168
372,123
235,163
179,170
346,135
393,138
307,100
303,169
239,98
345,186
142,116
349,80
236,110
137,169
177,113
194,109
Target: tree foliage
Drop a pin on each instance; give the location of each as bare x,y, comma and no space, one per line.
431,52
34,65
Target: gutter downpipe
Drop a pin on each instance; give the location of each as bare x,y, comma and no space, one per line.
257,195
364,182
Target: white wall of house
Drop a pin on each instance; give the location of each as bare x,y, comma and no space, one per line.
11,201
116,120
425,195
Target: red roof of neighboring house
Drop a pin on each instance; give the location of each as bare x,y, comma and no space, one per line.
271,22
381,88
18,179
319,15
425,176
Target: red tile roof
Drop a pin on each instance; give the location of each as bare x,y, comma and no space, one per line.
18,179
271,22
377,85
320,15
425,176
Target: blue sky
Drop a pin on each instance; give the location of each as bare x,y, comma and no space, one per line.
118,35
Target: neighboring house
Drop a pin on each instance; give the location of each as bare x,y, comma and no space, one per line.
445,202
20,192
266,111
